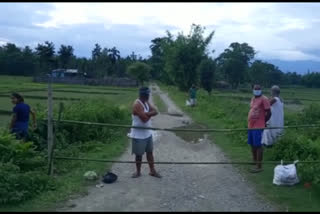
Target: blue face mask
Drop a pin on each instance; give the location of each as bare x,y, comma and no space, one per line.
257,92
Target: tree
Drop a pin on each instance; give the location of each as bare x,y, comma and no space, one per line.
157,61
10,61
183,55
140,71
311,80
100,61
265,73
65,55
96,52
206,70
29,61
114,55
234,62
45,53
133,57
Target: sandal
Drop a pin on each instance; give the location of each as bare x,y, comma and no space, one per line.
155,174
136,175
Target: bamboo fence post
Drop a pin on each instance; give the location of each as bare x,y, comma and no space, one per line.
50,124
54,139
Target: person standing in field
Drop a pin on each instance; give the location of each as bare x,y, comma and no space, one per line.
276,119
142,141
258,115
193,95
20,119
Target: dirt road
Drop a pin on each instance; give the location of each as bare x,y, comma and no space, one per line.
183,187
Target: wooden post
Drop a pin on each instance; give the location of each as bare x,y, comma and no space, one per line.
50,125
54,140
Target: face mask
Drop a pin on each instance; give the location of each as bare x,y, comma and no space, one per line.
257,92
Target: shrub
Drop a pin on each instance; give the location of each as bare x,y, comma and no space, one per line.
17,186
20,154
22,173
95,111
303,146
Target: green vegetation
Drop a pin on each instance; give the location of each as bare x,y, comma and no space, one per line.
302,144
140,71
24,183
206,69
176,61
44,57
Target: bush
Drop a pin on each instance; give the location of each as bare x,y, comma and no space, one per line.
17,186
22,173
94,111
20,154
303,146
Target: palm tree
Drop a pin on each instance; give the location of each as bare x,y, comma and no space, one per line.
114,55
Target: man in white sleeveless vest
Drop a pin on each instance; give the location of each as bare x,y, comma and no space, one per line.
142,138
276,120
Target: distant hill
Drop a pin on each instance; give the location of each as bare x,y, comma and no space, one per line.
300,67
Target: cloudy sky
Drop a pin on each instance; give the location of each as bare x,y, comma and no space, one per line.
282,31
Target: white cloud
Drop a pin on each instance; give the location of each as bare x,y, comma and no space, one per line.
284,31
3,41
290,55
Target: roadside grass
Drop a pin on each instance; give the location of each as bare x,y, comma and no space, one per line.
218,112
73,183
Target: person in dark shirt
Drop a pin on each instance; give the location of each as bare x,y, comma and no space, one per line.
20,119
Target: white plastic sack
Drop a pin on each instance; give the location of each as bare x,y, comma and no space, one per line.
188,103
285,174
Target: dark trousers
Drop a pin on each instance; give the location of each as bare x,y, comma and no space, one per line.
20,134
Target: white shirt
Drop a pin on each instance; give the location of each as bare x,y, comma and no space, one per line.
276,120
136,121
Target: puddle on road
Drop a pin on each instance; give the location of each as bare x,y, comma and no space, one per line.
192,137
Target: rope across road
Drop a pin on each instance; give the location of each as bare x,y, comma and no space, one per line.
185,130
184,163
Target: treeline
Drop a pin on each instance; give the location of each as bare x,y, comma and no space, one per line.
180,60
185,59
29,62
